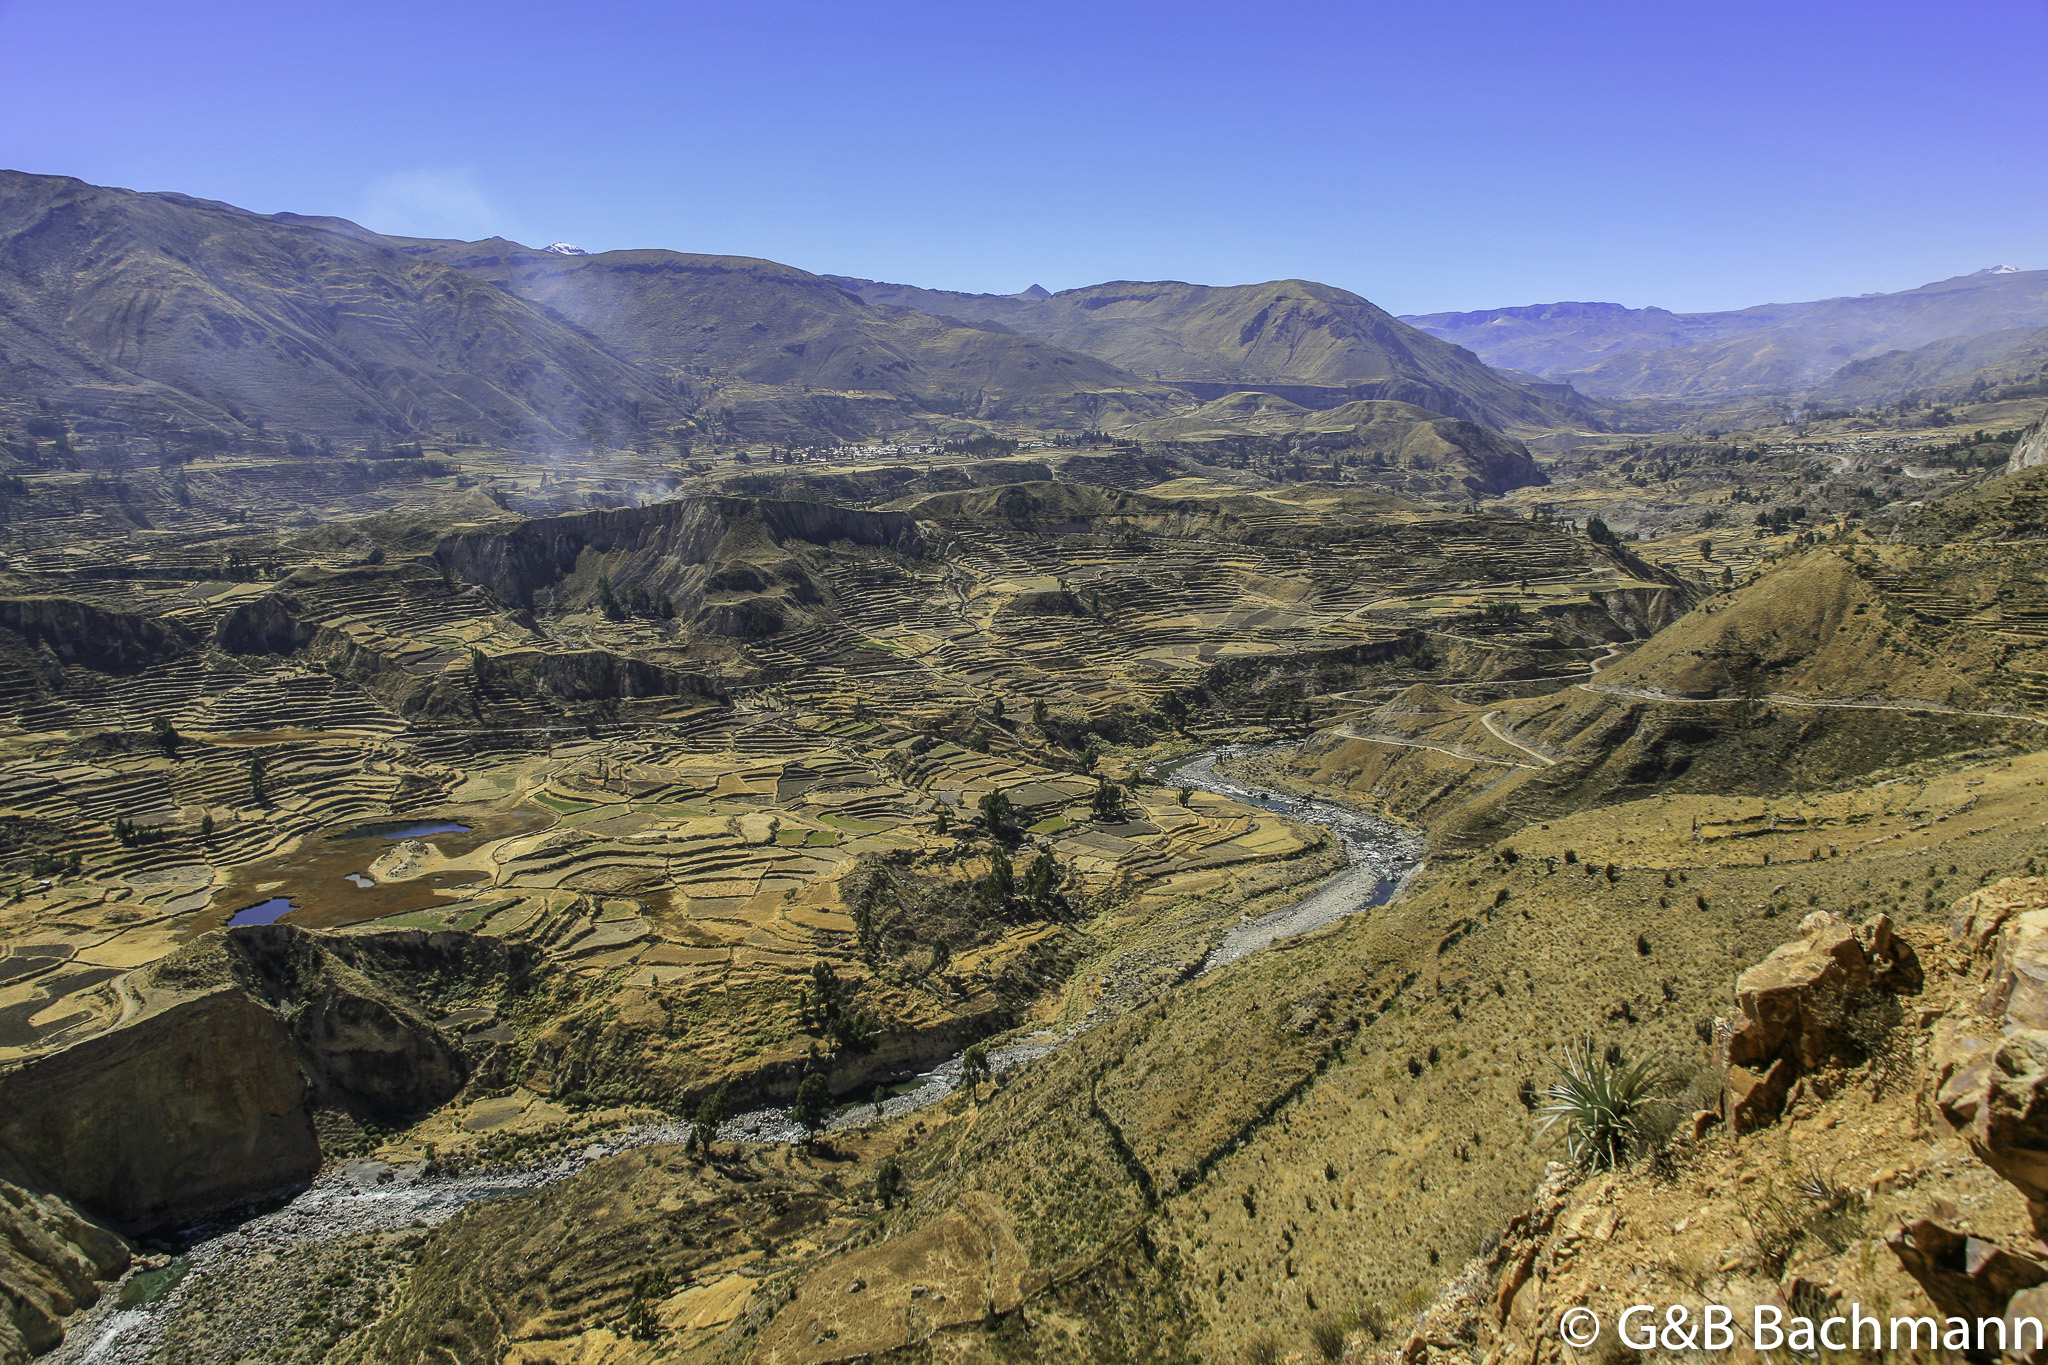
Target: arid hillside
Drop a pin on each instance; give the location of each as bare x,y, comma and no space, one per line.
1313,341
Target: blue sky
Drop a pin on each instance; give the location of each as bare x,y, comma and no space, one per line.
1427,155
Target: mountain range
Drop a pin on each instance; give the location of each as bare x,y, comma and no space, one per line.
1277,337
157,308
145,307
1614,352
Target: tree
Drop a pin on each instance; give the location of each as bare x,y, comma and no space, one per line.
974,1069
1038,712
258,770
812,1102
206,828
997,813
607,601
944,823
166,736
1000,881
710,1113
1042,881
890,1185
1187,796
1108,801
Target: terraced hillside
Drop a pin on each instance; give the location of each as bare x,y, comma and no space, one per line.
1193,1180
582,818
702,755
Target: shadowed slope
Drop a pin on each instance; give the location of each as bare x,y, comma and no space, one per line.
775,325
163,304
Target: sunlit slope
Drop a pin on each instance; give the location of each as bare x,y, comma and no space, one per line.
1284,332
1386,436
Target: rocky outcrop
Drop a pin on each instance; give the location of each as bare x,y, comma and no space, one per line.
207,1092
2032,448
1806,1005
52,1264
655,546
1993,1062
1964,1275
92,637
272,624
191,1105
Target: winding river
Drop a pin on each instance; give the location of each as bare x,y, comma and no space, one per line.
365,1196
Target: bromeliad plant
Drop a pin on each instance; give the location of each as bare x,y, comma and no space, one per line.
1604,1106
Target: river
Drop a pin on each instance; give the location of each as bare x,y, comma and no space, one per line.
366,1196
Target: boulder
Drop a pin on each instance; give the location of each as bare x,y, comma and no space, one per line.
1991,1068
1799,1007
1964,1276
1754,1098
2016,988
1998,1101
1975,918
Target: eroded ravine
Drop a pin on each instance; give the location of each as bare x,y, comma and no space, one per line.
370,1196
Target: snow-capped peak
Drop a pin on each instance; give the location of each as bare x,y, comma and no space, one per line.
565,249
1997,270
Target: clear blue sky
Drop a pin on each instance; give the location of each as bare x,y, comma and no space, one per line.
1430,155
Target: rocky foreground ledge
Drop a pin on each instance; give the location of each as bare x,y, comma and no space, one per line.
1878,1146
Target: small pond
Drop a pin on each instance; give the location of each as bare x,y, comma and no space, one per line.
270,912
418,829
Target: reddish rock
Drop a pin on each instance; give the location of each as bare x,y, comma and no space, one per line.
1796,1004
1753,1099
1975,918
1964,1276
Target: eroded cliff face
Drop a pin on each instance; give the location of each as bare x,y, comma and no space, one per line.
91,636
2032,449
654,546
52,1264
208,1090
192,1104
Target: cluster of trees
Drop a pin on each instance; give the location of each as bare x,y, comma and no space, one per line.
130,835
636,602
826,1006
1979,450
56,865
982,447
239,567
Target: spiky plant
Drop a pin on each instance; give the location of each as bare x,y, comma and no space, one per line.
1603,1105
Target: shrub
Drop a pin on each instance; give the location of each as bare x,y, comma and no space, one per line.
1605,1106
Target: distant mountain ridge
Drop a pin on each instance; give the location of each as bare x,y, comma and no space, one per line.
144,305
1296,333
1610,351
141,307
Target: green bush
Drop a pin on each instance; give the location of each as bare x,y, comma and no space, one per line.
1604,1106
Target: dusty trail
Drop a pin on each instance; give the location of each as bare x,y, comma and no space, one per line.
1513,743
1934,708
